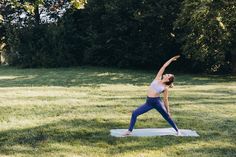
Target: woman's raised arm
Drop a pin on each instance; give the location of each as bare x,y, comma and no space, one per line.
161,71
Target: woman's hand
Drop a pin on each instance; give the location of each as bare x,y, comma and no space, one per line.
175,58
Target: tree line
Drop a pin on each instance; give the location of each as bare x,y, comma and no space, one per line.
119,33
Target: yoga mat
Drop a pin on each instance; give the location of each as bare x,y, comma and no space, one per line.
153,132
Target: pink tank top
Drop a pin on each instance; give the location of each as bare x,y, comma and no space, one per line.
157,86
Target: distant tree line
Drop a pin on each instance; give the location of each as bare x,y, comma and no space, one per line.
120,33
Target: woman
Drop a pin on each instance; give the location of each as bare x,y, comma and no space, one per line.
159,85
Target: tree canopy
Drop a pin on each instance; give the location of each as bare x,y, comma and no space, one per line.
121,33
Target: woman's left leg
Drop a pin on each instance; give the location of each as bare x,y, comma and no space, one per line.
140,110
161,108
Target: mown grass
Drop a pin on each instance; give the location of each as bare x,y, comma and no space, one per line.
69,112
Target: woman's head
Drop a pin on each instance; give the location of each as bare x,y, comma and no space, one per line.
168,79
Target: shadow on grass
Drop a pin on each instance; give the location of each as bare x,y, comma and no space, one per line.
88,133
204,79
91,76
212,151
95,132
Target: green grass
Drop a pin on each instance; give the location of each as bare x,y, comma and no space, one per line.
70,111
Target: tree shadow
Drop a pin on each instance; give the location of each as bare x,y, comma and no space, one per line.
67,77
89,133
212,151
204,79
94,76
95,133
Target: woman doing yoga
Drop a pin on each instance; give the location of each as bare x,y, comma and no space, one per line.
159,85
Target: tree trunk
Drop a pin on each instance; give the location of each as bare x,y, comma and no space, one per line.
2,52
36,14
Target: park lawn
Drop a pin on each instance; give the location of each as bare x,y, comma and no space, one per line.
70,111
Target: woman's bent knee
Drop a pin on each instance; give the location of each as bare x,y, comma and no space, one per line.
134,113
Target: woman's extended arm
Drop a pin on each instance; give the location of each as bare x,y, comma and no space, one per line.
166,101
161,71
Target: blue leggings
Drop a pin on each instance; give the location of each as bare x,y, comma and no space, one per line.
150,104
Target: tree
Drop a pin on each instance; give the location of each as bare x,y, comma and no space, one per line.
31,33
205,33
130,33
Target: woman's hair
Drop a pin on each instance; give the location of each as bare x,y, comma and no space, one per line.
171,80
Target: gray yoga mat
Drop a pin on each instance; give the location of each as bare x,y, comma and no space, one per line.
153,132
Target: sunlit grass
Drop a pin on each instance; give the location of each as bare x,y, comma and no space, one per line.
69,112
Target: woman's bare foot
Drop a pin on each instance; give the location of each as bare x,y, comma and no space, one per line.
179,133
127,133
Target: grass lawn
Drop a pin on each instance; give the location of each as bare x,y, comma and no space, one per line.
70,111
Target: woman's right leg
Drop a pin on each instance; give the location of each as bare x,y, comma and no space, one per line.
162,110
140,110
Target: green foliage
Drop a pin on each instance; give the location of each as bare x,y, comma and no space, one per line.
130,33
34,44
126,33
44,46
105,33
78,4
205,32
